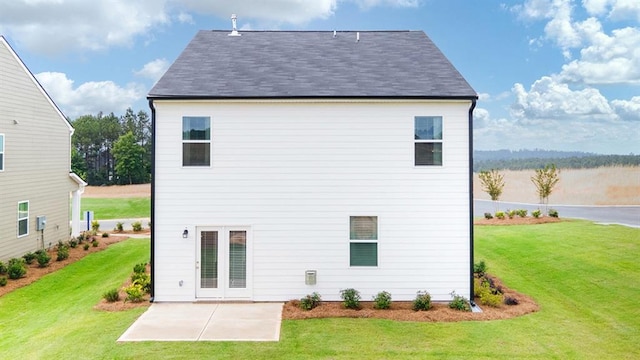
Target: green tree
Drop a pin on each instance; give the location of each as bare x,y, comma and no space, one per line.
492,183
78,165
128,158
545,180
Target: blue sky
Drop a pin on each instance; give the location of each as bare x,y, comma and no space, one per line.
551,74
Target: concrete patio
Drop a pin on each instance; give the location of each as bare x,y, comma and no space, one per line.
207,322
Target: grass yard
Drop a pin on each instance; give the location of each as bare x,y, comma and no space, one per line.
117,208
585,277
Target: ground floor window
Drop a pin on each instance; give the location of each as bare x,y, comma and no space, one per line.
23,218
363,241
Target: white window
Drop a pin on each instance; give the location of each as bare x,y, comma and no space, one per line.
428,140
363,241
23,218
1,152
196,141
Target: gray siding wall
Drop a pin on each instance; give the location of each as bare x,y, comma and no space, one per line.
37,161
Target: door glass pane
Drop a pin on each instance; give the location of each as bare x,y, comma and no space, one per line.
209,259
237,259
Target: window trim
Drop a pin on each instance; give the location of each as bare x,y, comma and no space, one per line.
374,240
23,218
193,141
2,157
428,141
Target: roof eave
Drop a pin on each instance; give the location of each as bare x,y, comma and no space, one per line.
345,97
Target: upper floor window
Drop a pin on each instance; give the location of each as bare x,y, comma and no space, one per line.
196,141
1,152
428,140
23,218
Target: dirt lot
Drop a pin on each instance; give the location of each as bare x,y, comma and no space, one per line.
118,191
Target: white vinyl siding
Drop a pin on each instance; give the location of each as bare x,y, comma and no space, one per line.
23,218
295,171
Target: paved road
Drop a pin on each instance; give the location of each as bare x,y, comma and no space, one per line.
622,214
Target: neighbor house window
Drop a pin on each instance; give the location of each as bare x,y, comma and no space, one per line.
196,141
428,140
1,152
363,241
23,218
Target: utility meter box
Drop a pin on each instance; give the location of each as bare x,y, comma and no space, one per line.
41,222
310,277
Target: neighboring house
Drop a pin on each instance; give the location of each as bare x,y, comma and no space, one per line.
292,162
35,163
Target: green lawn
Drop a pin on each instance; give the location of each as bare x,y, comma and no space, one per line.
117,208
585,277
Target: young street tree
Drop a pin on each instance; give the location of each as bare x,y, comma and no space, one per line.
545,180
492,183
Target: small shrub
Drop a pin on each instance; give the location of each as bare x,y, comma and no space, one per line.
140,268
500,215
85,247
119,227
422,301
135,293
81,238
489,296
43,258
142,279
553,213
137,226
95,243
350,298
508,300
3,268
16,268
111,295
63,253
382,300
73,243
3,281
511,213
522,212
459,302
95,225
105,235
29,257
488,216
310,301
480,268
536,213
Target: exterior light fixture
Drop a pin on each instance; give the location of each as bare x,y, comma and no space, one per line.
185,234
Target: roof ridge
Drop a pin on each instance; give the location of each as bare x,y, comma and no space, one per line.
315,31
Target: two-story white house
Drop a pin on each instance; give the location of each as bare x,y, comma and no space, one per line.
35,164
292,162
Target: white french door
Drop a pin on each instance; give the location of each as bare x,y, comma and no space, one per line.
222,270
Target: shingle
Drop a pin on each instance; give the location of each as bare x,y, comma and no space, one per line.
285,64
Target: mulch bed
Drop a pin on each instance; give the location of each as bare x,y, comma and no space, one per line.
517,220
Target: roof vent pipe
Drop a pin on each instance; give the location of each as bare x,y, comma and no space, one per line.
234,19
335,33
358,36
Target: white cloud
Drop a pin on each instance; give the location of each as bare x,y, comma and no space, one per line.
154,69
614,9
90,97
628,110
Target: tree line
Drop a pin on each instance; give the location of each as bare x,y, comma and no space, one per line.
112,150
573,162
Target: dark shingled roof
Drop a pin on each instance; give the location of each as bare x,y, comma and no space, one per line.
312,64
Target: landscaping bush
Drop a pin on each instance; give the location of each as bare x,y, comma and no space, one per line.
140,268
459,302
63,253
487,294
488,216
73,243
522,212
553,213
3,268
43,258
95,243
119,227
95,225
350,298
135,293
111,295
142,279
3,281
85,247
480,268
508,300
16,268
105,235
29,257
137,226
500,215
310,301
536,213
382,300
511,213
422,301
